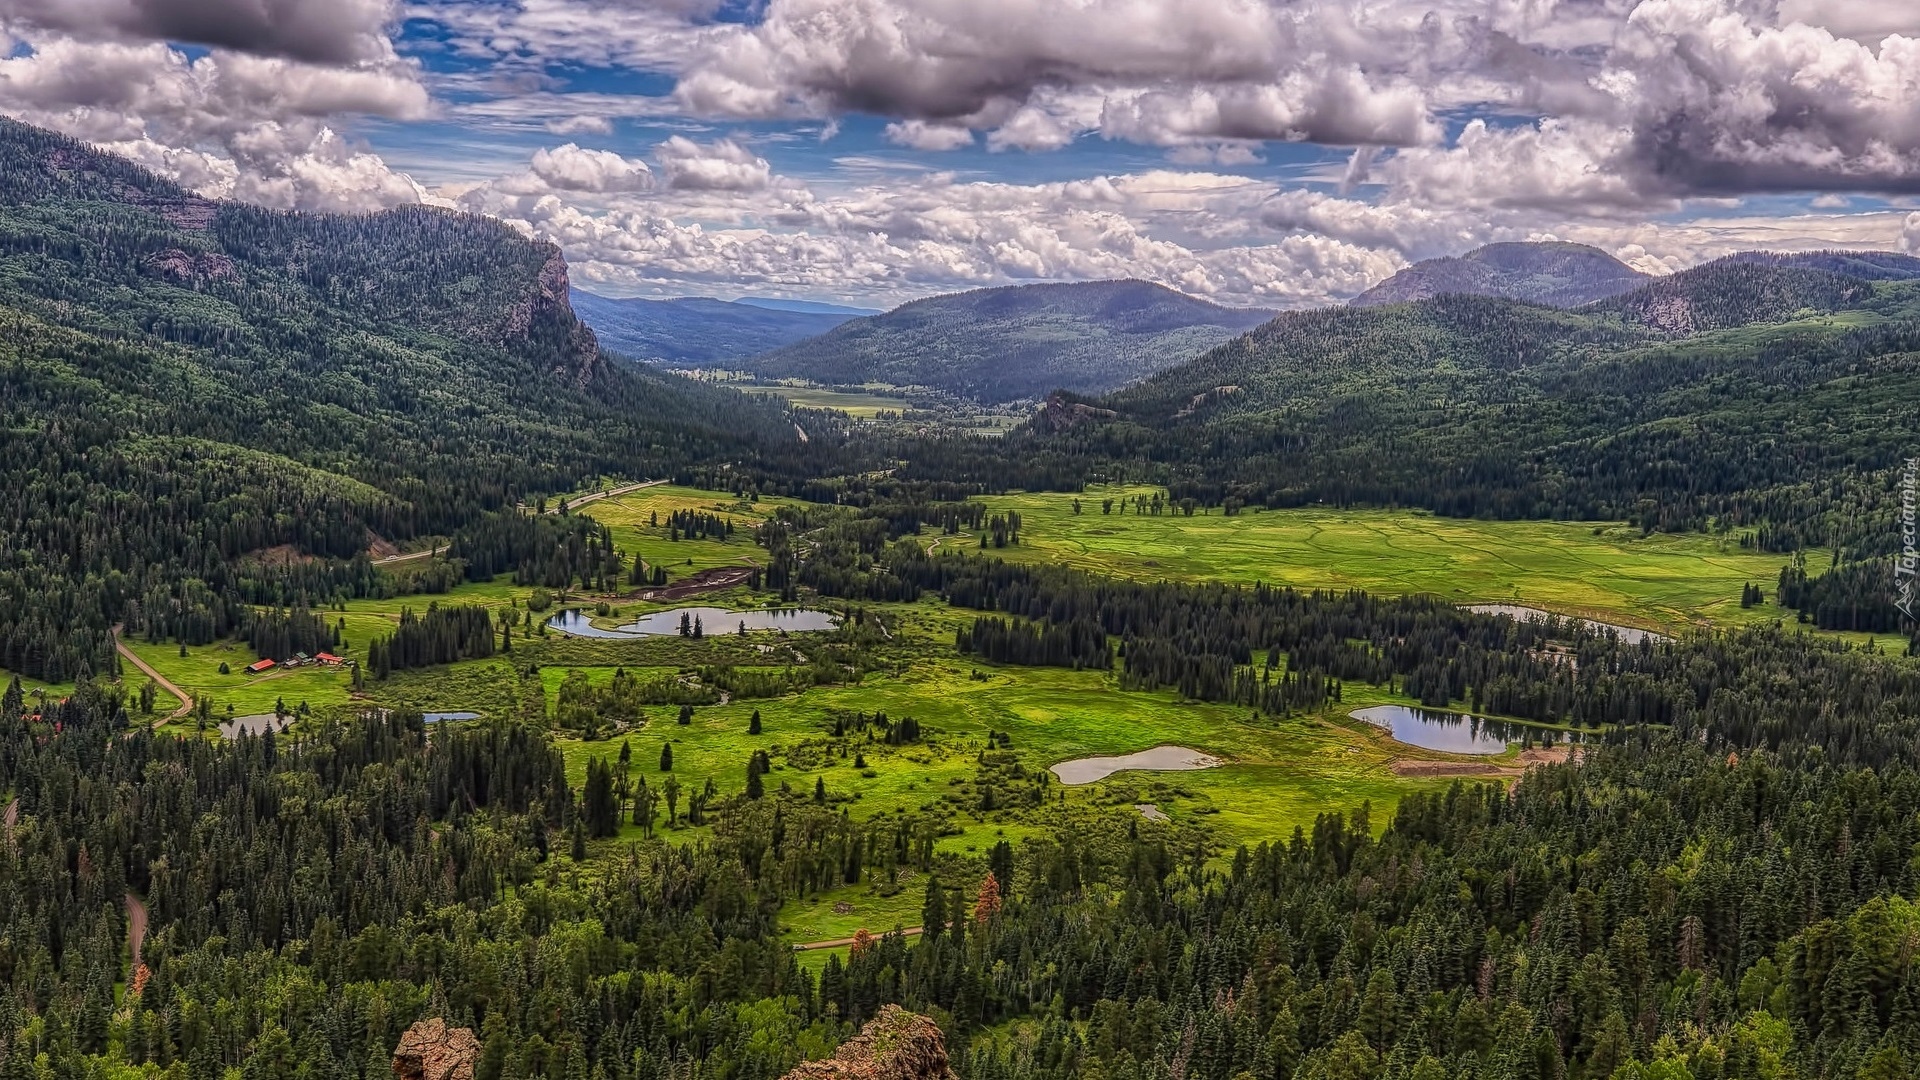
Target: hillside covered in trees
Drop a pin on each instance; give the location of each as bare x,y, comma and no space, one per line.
696,331
1559,274
1767,398
188,382
995,345
1697,862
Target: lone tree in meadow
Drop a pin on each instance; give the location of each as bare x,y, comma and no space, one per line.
666,757
753,724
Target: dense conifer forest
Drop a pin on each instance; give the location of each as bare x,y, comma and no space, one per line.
189,383
227,431
1716,885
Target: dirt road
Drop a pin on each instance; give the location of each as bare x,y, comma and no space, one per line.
840,943
610,493
389,560
136,926
186,699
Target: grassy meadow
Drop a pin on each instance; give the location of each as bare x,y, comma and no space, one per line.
1276,774
857,405
1604,571
630,517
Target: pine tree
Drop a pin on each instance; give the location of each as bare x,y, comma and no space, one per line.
987,904
666,757
933,911
753,723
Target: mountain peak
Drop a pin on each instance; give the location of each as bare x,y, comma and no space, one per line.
1552,272
1018,341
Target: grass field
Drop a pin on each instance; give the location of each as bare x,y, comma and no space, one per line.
858,406
1608,572
630,518
198,673
1276,774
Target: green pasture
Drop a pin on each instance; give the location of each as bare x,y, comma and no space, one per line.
1607,571
630,515
1276,773
857,405
198,673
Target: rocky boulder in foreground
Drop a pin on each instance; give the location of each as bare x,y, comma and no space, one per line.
430,1050
895,1045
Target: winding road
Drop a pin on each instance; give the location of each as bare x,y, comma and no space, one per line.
186,699
610,493
403,558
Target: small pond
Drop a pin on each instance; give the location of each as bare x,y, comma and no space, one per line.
1159,759
1628,634
257,724
1449,733
436,717
713,621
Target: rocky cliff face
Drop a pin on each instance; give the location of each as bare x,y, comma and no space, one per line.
430,1050
896,1045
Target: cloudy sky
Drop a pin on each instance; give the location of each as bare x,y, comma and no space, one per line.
1279,153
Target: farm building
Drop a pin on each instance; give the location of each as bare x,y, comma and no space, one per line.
259,666
329,659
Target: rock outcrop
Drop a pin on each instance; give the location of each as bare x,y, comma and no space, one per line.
895,1045
1060,414
430,1050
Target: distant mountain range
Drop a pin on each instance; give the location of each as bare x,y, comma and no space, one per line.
700,331
776,304
1563,275
1736,391
1023,341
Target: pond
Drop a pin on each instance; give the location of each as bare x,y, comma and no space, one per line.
1629,634
436,717
256,724
713,621
1449,733
1159,759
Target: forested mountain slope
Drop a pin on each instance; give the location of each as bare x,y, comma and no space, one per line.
189,381
696,330
1019,342
1769,399
1560,274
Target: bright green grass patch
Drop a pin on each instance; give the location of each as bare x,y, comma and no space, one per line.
857,405
813,918
198,673
34,689
1277,774
1607,571
631,518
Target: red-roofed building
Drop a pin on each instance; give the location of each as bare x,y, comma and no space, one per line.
259,666
329,659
